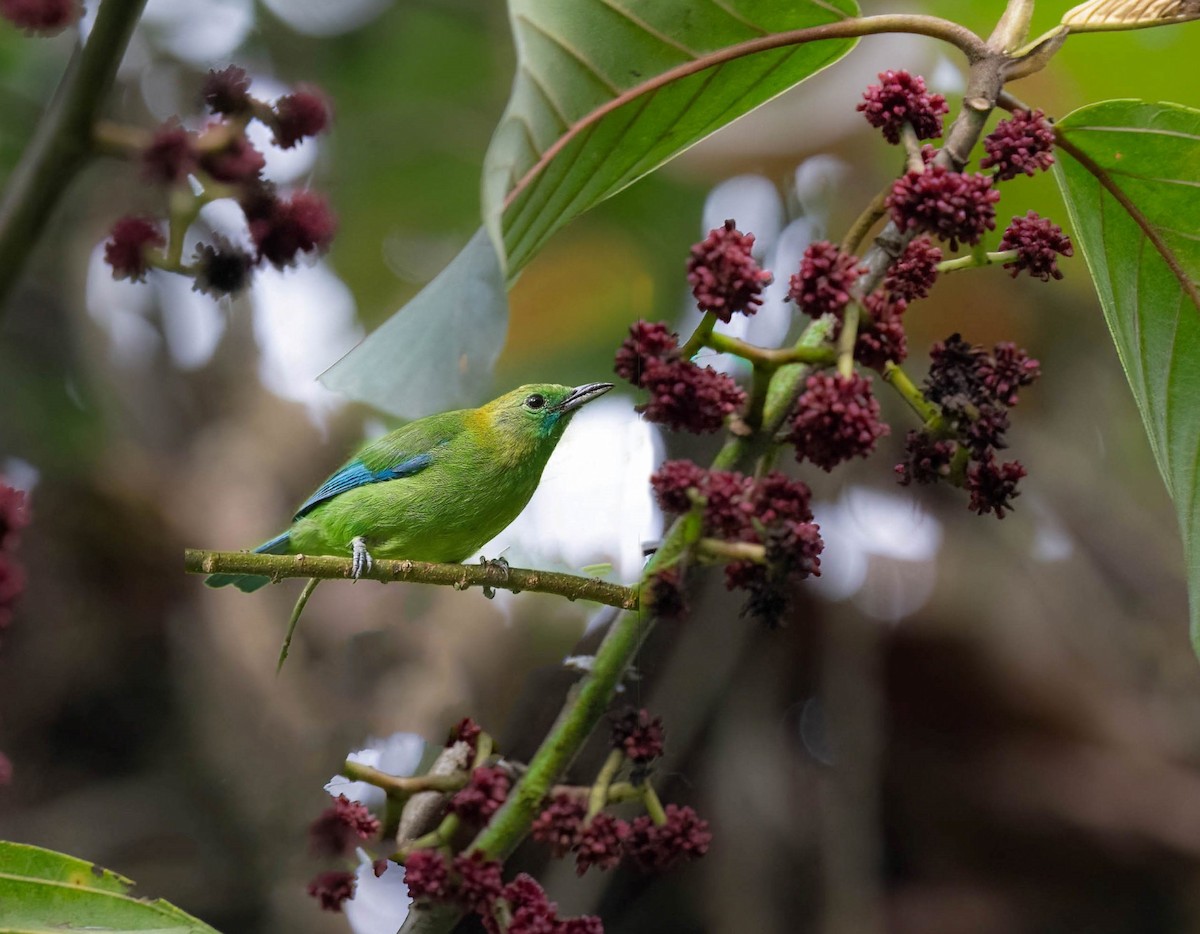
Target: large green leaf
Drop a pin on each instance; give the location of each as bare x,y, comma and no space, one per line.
1130,173
576,59
437,352
44,891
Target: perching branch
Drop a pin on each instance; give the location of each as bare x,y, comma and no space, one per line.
63,141
458,576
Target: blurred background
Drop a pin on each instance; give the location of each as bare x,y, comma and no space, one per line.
968,726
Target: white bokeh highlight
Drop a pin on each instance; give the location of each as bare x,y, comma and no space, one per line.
304,320
379,905
399,754
322,18
880,551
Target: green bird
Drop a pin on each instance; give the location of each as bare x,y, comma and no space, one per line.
434,490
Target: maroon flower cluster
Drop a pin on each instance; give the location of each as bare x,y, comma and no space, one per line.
638,735
1022,144
659,847
725,278
559,824
14,516
332,888
340,827
665,594
773,512
952,206
1038,242
902,98
46,17
129,245
913,274
826,276
483,795
881,336
475,883
465,731
974,390
683,396
835,419
281,227
605,840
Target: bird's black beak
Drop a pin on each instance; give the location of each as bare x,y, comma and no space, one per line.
581,395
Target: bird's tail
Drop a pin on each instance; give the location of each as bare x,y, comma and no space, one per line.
248,583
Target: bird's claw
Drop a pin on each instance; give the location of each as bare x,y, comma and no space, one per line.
500,564
361,563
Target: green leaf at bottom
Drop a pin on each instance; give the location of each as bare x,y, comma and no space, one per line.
44,891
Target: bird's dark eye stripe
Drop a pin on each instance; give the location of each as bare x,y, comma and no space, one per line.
536,401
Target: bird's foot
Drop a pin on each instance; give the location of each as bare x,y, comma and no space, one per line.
362,562
500,564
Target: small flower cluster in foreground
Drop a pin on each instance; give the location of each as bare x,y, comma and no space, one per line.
973,390
476,885
14,516
226,164
45,17
574,820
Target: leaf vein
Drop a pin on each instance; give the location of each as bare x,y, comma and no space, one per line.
648,29
573,52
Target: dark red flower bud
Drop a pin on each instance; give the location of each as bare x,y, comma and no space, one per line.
1038,242
282,228
666,597
950,205
881,336
46,17
724,276
170,156
340,827
332,888
227,91
599,843
646,343
901,98
237,161
686,397
479,881
221,269
638,735
1024,143
427,876
912,275
927,459
300,114
1007,369
826,276
656,848
993,486
836,419
482,797
673,484
559,823
465,731
128,243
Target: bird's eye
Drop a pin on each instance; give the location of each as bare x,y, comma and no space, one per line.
536,401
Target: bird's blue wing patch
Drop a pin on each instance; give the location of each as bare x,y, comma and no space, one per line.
356,474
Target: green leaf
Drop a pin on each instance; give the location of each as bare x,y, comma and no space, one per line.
574,60
438,351
1130,174
559,149
41,890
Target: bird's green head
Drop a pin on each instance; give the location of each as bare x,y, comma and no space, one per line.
540,412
